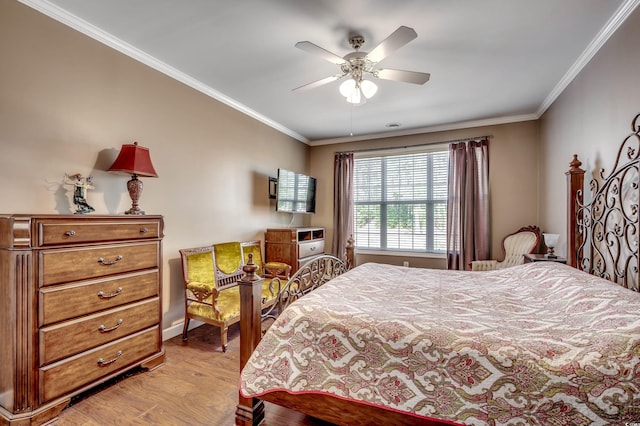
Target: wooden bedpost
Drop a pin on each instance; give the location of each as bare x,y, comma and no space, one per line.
250,411
575,198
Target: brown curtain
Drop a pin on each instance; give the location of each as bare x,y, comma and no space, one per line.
342,202
468,204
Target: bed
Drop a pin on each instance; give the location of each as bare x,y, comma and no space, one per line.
540,343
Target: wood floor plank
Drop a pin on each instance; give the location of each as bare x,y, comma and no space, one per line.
197,385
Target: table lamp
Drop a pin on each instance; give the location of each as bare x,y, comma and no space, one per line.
135,160
551,240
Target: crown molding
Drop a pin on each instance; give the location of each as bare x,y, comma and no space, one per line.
105,38
431,129
121,46
601,38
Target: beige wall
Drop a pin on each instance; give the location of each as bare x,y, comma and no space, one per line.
67,104
513,173
590,118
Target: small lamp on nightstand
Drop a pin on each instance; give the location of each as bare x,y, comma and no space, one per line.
551,240
135,160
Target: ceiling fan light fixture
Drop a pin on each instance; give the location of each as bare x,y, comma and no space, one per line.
356,97
369,88
347,87
358,93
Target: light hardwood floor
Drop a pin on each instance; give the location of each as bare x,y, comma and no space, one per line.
197,385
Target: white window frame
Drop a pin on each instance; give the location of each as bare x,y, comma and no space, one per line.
430,250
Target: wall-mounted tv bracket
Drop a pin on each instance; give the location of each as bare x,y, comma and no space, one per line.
273,187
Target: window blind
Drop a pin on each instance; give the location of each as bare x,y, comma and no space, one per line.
400,202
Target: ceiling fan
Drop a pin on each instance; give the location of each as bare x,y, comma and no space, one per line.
359,64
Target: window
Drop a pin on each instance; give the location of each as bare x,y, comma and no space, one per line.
401,202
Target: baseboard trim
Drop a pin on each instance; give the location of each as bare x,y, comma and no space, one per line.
176,329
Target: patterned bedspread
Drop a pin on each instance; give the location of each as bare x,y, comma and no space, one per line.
540,343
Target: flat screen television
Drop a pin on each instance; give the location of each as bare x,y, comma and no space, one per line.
295,192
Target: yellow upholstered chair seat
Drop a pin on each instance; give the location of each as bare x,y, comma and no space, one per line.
227,301
227,304
277,268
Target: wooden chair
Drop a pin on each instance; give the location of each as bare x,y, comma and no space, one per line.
210,276
205,299
269,269
514,246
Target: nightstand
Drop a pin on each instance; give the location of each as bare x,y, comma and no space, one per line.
539,257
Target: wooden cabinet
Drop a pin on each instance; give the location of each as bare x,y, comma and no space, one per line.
81,303
294,246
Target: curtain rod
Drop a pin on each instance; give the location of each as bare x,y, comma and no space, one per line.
418,145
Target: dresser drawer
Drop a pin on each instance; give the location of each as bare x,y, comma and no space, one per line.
72,373
311,248
63,302
301,262
65,265
74,232
72,337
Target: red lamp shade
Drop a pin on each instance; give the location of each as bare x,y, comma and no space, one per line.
134,159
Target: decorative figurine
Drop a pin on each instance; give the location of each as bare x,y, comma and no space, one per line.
81,185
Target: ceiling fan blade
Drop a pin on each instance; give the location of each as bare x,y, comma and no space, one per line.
401,75
318,83
396,40
309,47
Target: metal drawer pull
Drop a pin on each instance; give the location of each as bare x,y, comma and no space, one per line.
144,230
110,262
313,248
103,363
101,294
103,329
70,233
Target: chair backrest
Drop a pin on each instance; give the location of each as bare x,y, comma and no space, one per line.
254,248
516,245
227,263
197,265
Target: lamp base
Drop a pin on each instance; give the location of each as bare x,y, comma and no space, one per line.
134,211
135,190
551,253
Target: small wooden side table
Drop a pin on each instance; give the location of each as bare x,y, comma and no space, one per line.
539,257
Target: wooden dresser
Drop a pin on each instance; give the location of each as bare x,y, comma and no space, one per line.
80,303
293,246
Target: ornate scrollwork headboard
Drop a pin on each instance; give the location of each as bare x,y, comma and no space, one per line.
603,232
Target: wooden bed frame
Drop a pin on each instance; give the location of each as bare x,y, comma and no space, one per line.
602,239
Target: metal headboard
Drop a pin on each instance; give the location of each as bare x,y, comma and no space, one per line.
607,227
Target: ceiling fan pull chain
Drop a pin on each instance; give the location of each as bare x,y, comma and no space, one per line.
351,113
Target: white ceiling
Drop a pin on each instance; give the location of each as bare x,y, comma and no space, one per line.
491,61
